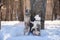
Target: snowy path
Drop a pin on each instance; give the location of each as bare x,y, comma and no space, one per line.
14,31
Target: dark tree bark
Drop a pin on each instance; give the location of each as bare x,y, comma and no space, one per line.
39,7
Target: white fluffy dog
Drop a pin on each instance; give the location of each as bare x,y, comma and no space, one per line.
36,26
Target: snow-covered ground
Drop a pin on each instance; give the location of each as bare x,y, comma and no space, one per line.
52,24
13,30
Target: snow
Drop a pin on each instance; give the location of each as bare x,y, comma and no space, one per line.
52,24
9,22
6,36
1,35
15,31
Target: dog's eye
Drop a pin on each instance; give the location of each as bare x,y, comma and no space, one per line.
33,30
38,29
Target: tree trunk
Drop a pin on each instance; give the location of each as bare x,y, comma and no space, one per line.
39,7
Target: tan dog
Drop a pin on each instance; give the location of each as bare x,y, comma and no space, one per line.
27,22
27,28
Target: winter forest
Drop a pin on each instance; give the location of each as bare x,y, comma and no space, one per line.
29,19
